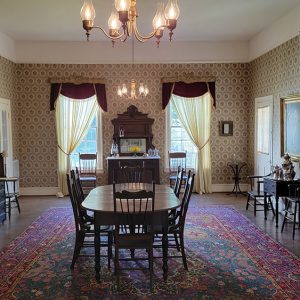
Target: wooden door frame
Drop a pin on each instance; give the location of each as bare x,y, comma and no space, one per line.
257,101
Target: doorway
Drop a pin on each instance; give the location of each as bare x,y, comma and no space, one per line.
263,152
6,135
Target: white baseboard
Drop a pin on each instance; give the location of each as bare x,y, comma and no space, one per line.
52,191
38,191
222,187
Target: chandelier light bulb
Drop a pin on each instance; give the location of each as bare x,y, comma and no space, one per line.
172,10
113,21
124,89
159,18
141,89
119,91
88,12
146,91
122,5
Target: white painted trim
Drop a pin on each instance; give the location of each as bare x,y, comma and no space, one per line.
275,34
38,191
224,187
7,47
263,101
103,53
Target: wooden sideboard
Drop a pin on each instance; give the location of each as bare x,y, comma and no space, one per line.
114,163
133,128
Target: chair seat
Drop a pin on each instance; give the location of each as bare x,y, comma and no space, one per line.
257,195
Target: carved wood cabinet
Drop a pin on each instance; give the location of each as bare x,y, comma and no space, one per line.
133,135
133,131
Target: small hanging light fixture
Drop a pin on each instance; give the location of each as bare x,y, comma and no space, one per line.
122,90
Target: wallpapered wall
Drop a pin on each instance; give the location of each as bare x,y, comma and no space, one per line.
36,134
237,85
276,73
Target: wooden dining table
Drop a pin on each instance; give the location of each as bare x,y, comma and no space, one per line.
100,201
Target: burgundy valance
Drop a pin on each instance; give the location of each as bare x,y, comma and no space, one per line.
79,91
188,90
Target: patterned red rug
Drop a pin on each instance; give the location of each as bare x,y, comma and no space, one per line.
228,258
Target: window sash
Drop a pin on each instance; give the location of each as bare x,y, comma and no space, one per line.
97,127
183,140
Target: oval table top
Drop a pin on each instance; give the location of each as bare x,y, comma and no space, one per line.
101,199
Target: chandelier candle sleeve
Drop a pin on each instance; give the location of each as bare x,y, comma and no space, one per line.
124,15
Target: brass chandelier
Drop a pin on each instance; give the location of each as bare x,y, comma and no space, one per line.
122,21
122,90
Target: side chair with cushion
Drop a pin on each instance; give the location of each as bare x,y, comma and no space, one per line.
292,207
134,209
177,224
256,195
84,227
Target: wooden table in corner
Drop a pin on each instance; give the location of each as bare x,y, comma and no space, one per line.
277,188
100,201
236,168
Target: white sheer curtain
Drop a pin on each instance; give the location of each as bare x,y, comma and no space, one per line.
195,115
73,118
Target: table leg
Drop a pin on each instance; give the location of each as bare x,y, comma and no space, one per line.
97,251
276,210
265,205
165,252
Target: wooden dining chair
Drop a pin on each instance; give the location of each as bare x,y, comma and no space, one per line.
177,224
176,160
178,181
88,170
135,211
292,207
256,195
85,233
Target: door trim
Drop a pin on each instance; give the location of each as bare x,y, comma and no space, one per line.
263,100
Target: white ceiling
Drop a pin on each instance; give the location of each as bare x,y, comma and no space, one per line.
200,20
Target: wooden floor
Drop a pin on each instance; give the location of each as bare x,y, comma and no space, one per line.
32,207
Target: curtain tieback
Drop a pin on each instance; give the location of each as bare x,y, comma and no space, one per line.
204,144
63,150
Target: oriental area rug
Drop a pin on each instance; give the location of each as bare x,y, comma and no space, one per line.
228,258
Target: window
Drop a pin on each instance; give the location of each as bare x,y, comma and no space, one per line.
178,139
91,143
263,134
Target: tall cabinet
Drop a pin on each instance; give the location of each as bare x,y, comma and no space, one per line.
133,135
2,192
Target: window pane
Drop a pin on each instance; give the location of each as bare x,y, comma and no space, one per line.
87,145
180,140
263,129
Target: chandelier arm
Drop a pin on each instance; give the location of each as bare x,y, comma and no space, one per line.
111,37
142,38
126,33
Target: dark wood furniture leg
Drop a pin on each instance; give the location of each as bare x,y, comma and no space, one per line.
265,205
97,251
276,210
165,252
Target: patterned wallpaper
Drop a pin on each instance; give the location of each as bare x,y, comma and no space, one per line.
237,85
36,124
275,73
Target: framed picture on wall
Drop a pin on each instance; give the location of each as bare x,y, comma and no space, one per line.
290,126
226,128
